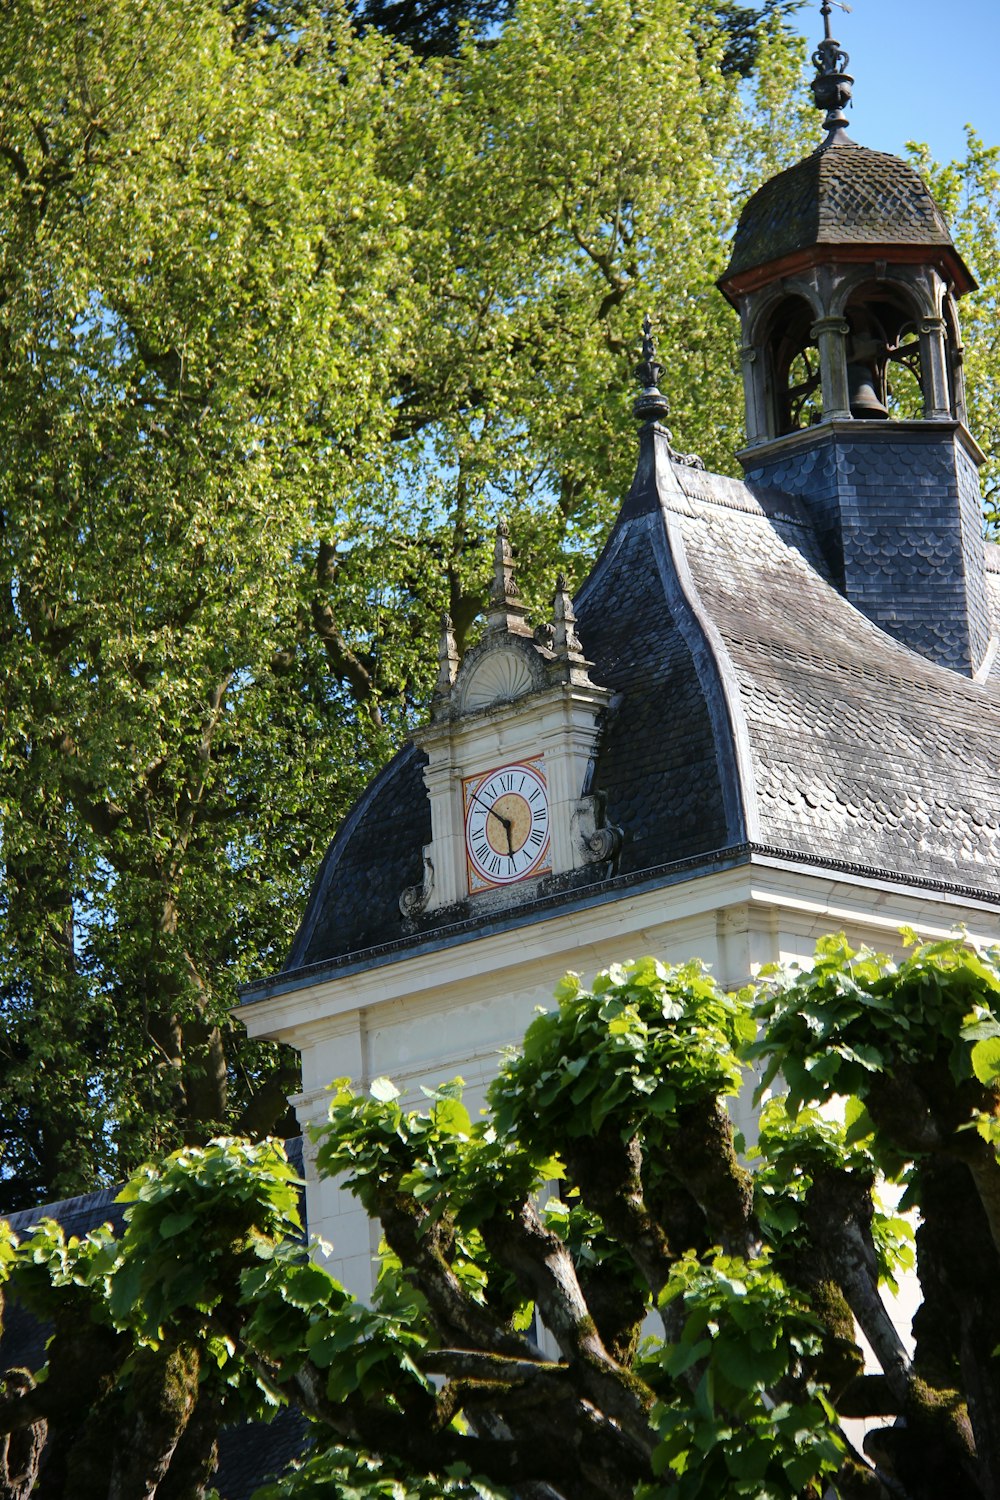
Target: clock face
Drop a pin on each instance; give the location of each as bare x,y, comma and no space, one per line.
506,824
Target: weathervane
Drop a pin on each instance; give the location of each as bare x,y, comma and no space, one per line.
833,84
824,11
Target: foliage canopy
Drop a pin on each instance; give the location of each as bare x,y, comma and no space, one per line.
686,1323
287,314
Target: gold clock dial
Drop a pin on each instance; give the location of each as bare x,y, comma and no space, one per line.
506,824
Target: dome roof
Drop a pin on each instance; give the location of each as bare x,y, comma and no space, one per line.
843,194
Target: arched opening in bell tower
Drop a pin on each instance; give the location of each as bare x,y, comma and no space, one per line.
794,359
885,376
875,349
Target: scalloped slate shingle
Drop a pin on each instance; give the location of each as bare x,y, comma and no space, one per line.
862,751
376,854
842,194
898,513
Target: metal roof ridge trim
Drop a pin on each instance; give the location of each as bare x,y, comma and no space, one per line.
708,648
749,507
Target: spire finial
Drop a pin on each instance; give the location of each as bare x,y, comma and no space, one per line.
505,612
832,85
651,405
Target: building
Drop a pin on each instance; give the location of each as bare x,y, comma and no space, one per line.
772,710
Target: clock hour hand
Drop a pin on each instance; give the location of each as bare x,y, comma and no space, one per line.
505,822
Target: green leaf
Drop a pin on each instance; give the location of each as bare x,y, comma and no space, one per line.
176,1223
985,1057
384,1090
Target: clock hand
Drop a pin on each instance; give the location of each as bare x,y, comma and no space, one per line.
507,824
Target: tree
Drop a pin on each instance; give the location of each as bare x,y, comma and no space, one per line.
155,322
436,28
969,192
700,1312
286,317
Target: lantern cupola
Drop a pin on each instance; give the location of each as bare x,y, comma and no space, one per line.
845,276
846,279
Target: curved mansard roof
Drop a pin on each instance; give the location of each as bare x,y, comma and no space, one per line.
754,707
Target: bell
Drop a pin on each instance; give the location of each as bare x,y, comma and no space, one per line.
864,400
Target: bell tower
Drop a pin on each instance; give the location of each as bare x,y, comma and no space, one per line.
846,280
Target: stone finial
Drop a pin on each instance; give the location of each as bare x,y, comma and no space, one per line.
565,641
447,658
569,663
504,582
651,404
832,85
505,611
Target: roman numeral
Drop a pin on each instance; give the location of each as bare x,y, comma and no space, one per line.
536,837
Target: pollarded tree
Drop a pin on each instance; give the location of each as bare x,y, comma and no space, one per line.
700,1316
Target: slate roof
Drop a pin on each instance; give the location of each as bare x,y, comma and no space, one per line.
376,854
856,745
843,194
755,709
251,1453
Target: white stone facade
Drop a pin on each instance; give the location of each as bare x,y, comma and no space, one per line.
451,1010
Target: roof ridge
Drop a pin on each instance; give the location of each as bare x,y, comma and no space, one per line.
742,812
792,512
27,1218
867,672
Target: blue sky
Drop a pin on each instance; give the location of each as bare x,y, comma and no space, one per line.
922,69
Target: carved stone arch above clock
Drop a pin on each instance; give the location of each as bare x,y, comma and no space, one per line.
498,672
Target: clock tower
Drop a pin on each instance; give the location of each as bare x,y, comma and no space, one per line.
510,748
